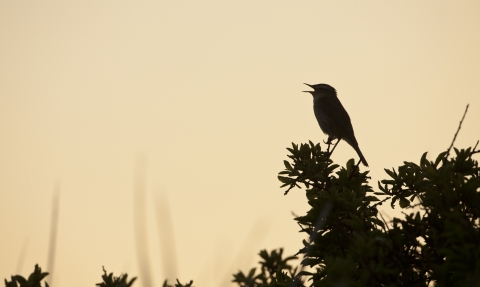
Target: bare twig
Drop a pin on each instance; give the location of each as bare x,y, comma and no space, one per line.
292,185
53,233
301,180
380,202
474,151
455,137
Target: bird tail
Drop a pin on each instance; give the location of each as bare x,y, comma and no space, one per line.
362,158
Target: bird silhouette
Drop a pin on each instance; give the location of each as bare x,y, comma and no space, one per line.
332,116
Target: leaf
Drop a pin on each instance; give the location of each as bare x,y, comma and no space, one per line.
440,157
423,160
391,173
287,165
377,221
394,199
372,198
383,189
284,179
388,181
304,273
350,222
404,202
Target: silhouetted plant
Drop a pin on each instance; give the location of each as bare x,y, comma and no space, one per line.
189,284
350,244
274,271
112,281
34,280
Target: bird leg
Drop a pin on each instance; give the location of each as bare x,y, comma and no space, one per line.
329,153
329,140
338,140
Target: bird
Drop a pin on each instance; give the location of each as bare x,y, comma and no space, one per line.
332,116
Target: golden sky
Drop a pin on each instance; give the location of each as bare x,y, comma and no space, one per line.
205,96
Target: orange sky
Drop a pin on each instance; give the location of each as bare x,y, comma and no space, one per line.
207,95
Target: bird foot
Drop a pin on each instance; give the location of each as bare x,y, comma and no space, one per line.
329,140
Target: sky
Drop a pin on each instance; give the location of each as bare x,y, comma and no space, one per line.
180,113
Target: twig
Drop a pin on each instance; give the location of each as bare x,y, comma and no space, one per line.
301,180
474,151
455,137
380,202
292,185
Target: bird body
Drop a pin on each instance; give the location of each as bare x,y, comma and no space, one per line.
332,116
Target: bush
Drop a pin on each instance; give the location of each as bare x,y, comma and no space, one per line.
34,280
350,244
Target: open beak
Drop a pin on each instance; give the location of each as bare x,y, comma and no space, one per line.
310,87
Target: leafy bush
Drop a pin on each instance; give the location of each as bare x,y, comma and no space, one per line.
34,280
350,244
274,271
112,281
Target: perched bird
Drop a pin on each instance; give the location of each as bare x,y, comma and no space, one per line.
332,116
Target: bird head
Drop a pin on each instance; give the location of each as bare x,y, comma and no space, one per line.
321,90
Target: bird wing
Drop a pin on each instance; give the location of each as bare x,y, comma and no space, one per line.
337,116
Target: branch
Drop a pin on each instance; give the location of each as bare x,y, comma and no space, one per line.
304,181
380,202
474,151
455,137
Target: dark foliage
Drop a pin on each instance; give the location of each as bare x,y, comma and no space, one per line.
178,284
34,280
112,281
350,244
274,271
